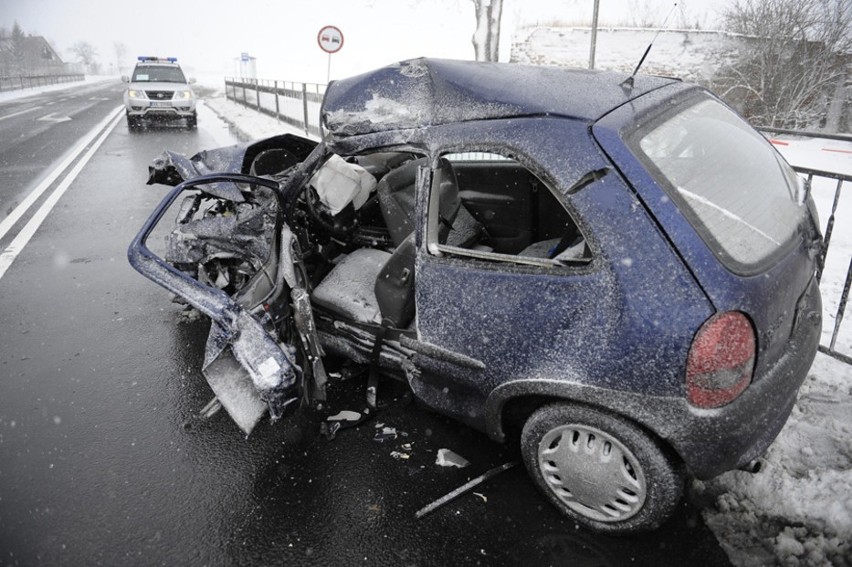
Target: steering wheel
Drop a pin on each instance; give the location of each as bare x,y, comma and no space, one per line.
342,225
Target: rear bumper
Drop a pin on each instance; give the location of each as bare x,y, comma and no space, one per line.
714,441
709,441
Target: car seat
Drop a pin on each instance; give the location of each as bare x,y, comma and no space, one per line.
374,286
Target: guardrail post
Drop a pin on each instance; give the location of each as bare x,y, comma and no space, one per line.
829,228
841,180
305,107
277,107
257,93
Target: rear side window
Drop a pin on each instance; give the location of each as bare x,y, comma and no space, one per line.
488,207
736,190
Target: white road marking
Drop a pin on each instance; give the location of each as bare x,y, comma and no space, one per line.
17,245
21,209
19,113
53,118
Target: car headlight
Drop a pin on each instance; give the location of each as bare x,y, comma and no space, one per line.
135,94
183,94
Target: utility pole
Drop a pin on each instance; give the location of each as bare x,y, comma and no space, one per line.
594,35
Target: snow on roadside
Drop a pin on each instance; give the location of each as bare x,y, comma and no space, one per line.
23,93
250,123
798,509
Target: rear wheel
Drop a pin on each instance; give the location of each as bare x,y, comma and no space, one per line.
600,469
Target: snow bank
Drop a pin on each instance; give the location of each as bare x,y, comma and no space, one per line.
87,81
250,123
798,509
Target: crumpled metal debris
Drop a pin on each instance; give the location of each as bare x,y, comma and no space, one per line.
447,458
384,433
344,415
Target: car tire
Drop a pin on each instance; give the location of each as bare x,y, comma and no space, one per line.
133,124
192,122
600,469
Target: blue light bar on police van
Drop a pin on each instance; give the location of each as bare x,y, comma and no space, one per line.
147,58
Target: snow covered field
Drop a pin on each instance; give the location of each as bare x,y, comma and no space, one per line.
798,509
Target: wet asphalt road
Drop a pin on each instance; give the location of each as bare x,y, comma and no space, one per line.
104,460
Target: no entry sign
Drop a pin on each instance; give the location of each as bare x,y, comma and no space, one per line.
330,39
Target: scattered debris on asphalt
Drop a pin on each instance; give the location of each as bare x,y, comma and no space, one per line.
384,433
447,458
345,415
464,488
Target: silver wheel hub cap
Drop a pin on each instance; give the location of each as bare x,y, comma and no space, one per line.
592,473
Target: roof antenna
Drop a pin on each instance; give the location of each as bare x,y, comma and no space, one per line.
628,82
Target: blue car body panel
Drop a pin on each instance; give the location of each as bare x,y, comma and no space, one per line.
785,279
609,324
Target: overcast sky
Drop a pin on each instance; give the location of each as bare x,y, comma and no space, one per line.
208,36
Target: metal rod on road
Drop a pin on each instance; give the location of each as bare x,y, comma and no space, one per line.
464,488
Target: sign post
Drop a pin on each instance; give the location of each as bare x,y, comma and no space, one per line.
330,40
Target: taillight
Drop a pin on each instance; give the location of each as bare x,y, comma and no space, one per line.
721,360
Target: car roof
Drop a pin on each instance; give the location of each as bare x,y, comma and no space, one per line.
421,92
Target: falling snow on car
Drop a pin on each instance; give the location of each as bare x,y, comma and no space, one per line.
617,270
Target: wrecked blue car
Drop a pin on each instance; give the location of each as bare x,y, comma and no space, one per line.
619,270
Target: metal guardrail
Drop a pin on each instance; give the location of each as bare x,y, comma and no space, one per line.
9,83
297,104
840,179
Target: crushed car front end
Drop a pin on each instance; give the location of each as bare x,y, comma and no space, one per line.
219,260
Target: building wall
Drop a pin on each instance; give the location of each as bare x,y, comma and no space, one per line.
692,55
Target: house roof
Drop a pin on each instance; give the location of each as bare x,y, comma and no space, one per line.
35,52
422,92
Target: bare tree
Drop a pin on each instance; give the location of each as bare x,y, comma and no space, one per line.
795,56
86,54
486,38
120,53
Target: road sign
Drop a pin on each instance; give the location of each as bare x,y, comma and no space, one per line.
330,39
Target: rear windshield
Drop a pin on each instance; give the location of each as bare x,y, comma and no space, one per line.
158,74
737,191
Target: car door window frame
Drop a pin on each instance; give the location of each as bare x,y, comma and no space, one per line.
498,259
